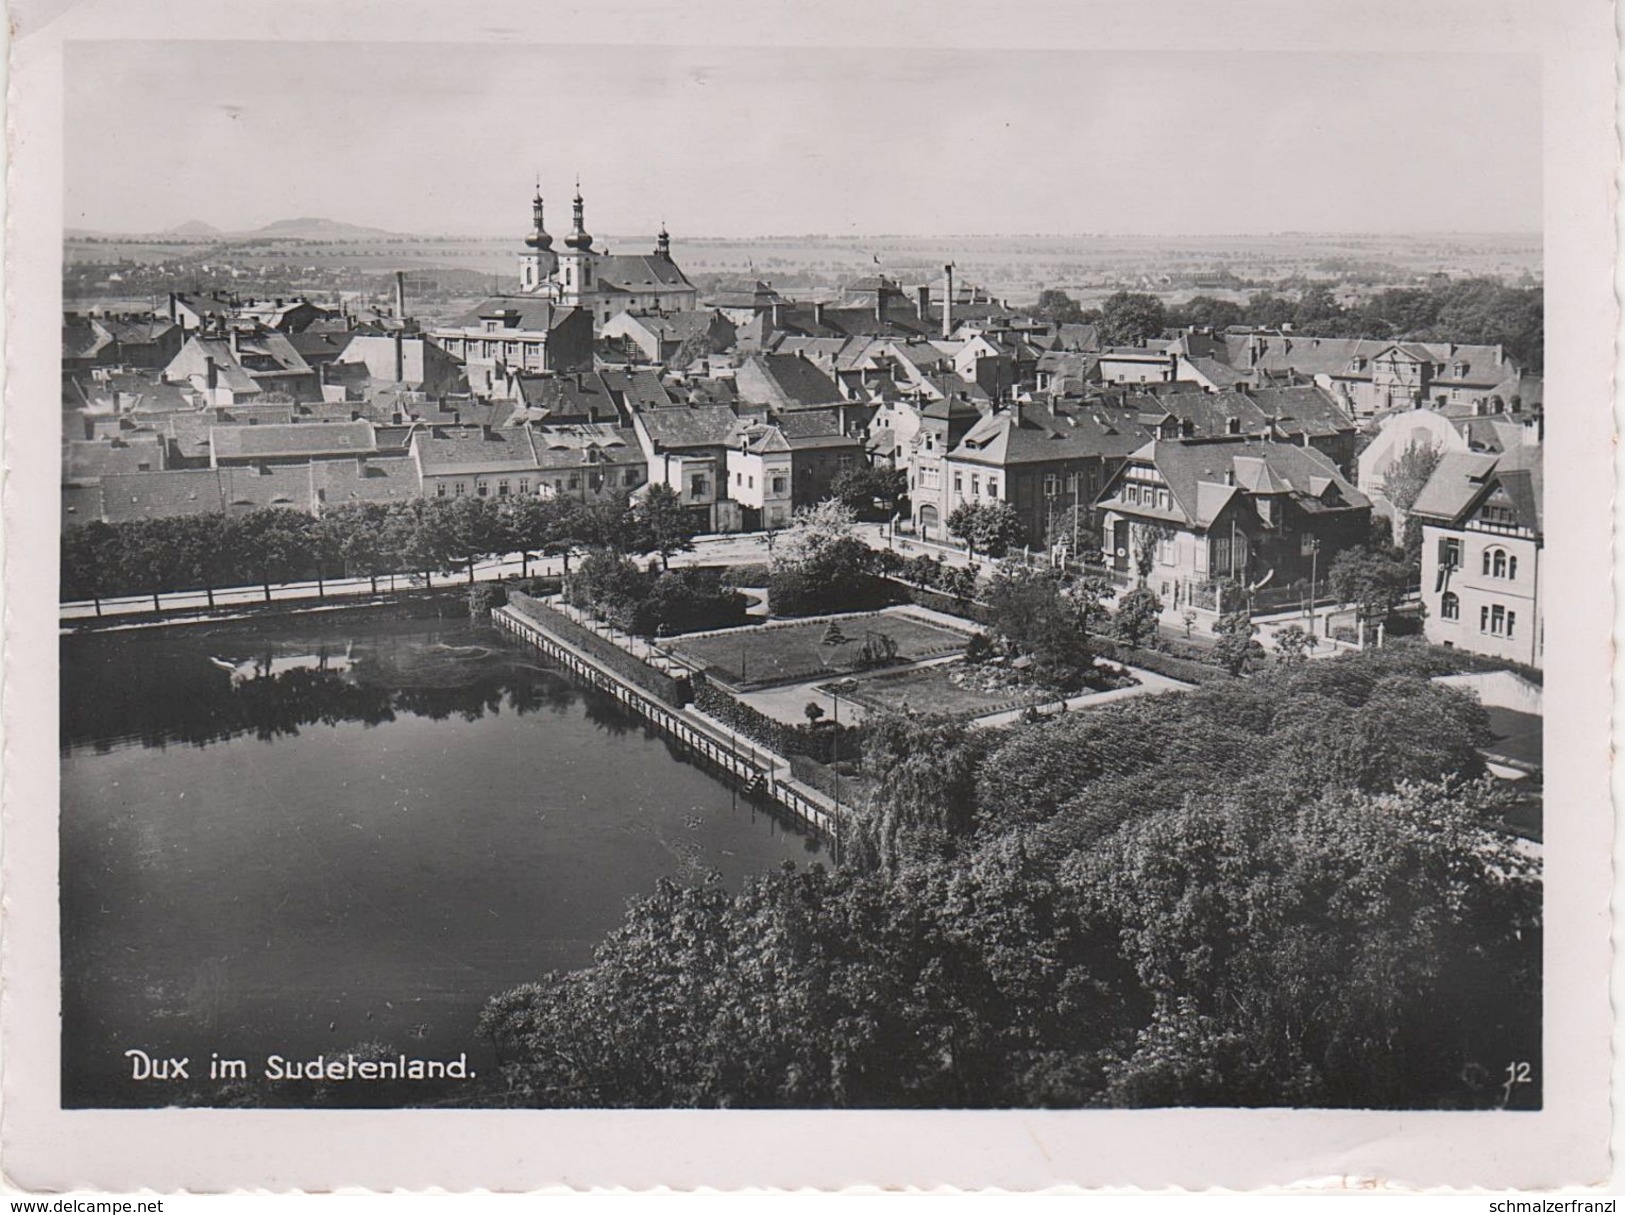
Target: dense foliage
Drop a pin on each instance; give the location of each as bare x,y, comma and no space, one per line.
1474,311
1291,889
417,538
820,564
615,588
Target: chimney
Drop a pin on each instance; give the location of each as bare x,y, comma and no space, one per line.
818,314
776,313
922,300
211,374
948,301
400,359
400,295
880,299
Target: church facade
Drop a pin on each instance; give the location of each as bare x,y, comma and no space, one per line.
600,283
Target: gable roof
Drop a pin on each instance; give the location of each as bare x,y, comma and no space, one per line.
688,426
1203,476
307,439
452,450
640,272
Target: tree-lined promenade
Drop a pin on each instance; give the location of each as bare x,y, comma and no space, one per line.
285,553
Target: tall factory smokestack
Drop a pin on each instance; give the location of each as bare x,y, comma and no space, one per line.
400,295
948,301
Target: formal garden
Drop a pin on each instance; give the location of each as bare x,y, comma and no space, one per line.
795,651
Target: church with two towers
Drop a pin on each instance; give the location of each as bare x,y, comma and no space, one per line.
602,283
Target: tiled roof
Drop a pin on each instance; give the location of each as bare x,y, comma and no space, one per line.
1456,481
640,389
682,427
91,459
797,381
1036,435
297,439
1199,472
515,312
375,479
161,495
639,272
455,450
246,489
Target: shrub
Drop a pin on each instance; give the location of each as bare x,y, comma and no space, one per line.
484,596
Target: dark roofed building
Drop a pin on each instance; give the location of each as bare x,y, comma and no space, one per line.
785,382
1246,510
298,442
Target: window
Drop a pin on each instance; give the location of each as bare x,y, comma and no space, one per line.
696,486
502,488
975,484
1496,621
993,487
959,483
460,488
1512,619
1450,606
1134,495
575,481
524,486
750,482
1449,553
440,489
1052,485
739,478
778,485
482,488
631,476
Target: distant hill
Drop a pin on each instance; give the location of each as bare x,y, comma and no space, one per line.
308,228
193,227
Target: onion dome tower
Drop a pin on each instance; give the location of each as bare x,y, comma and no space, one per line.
538,262
575,263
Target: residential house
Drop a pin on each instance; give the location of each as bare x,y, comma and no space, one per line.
686,447
521,333
242,365
1042,462
1482,535
654,338
1263,514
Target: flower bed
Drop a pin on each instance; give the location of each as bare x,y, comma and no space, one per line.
795,651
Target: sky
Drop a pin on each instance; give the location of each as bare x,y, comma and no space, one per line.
720,141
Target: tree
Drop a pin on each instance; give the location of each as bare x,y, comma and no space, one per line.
1292,645
813,711
1409,472
820,564
1129,318
1325,953
923,774
1034,619
870,490
1057,307
276,543
1147,536
987,527
1237,650
1137,614
1373,582
664,524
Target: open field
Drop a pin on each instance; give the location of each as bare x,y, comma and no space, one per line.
1016,267
788,653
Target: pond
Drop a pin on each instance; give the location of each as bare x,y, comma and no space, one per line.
297,837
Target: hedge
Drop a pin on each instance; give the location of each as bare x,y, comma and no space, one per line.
814,742
672,690
924,597
1183,669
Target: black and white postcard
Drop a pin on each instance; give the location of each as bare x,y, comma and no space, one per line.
911,595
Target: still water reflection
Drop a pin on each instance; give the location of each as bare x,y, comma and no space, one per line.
303,839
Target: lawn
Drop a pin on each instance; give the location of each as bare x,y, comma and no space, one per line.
791,652
942,689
